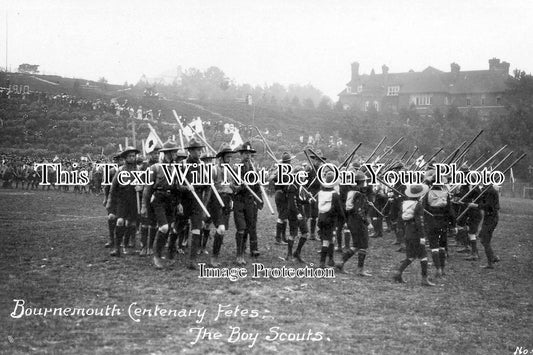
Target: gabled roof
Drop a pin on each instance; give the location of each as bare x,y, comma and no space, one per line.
477,82
432,80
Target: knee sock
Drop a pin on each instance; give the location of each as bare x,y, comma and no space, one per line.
290,243
361,256
473,244
217,244
313,226
278,231
132,232
301,243
435,255
283,231
323,254
119,234
144,235
172,238
205,238
239,239
424,267
195,245
331,249
111,224
442,257
152,230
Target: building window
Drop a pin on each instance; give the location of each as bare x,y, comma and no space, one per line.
422,100
446,100
393,90
482,100
376,105
359,88
468,101
367,105
348,89
498,100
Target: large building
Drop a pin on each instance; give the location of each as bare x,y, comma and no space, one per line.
429,89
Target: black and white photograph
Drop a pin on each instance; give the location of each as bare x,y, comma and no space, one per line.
266,177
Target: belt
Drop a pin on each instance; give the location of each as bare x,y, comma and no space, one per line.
168,191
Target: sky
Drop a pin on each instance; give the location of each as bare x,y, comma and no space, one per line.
262,42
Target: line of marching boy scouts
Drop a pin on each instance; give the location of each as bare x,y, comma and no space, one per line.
173,217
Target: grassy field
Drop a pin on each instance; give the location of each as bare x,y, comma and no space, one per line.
52,255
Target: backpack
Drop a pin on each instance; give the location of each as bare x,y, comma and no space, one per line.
438,198
408,209
324,201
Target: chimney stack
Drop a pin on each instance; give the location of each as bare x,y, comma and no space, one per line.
495,65
455,68
505,68
355,71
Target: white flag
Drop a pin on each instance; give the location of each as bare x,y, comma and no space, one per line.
420,161
150,143
197,125
187,132
512,176
226,128
236,141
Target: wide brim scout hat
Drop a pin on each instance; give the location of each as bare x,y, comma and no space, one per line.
224,149
117,156
207,156
169,146
246,147
157,147
129,150
194,144
416,190
286,157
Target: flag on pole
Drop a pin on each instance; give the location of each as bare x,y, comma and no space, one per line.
420,161
150,143
187,132
197,125
236,141
152,130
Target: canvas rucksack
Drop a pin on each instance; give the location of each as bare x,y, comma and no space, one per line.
437,198
324,201
408,209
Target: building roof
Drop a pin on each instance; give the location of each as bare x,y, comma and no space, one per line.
432,80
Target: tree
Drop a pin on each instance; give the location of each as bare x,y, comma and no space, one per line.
102,80
295,101
325,104
308,103
28,68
